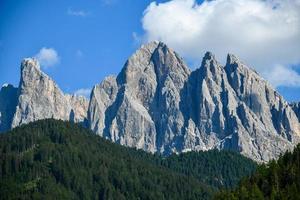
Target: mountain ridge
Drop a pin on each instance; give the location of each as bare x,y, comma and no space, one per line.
228,107
156,103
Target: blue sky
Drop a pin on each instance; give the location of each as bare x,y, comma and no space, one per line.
93,39
89,47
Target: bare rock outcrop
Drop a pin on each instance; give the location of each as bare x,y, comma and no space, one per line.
157,104
296,107
39,98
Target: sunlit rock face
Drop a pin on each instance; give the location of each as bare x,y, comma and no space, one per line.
39,98
140,107
157,104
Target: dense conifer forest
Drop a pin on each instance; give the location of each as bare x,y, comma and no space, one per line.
276,180
52,159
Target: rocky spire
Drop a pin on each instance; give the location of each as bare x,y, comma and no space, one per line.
39,97
147,100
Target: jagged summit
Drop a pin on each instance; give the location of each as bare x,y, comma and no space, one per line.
30,62
39,97
150,46
209,56
7,85
156,103
232,59
233,63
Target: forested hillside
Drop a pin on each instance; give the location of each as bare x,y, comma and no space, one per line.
52,159
276,180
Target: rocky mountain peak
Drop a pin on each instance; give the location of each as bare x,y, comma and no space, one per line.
154,58
235,65
232,59
39,97
6,86
209,56
156,103
32,76
167,61
148,86
172,109
30,68
209,62
151,46
30,64
210,69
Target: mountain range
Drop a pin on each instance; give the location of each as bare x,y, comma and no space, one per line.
158,104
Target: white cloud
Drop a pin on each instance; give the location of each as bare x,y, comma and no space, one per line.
78,13
83,92
263,33
284,76
47,57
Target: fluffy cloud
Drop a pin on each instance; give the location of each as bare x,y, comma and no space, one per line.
265,34
83,92
47,57
284,76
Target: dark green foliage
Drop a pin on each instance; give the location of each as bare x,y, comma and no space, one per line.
275,180
215,168
52,159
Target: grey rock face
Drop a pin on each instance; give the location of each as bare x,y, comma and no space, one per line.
296,107
157,104
8,103
39,97
234,108
102,98
140,108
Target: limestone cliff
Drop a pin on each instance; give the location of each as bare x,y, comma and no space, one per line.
39,97
157,104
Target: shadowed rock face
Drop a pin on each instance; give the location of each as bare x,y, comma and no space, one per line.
296,107
8,103
40,98
157,104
